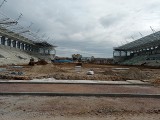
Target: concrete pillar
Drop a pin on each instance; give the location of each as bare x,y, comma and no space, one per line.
155,49
3,40
18,44
8,42
126,53
46,51
35,49
43,51
22,46
29,47
14,43
0,38
49,51
113,53
26,47
32,48
150,51
120,53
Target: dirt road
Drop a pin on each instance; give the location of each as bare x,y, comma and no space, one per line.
78,108
79,88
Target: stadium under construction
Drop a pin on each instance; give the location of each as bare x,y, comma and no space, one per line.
11,39
19,44
141,51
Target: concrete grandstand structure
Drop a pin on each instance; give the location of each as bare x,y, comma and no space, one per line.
19,44
16,48
139,51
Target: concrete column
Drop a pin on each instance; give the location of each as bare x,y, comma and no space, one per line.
29,47
22,46
26,47
126,53
3,40
49,51
0,38
18,44
120,53
8,42
44,51
151,51
113,53
35,49
155,49
14,43
32,48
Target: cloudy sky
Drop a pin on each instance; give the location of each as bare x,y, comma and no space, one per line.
87,27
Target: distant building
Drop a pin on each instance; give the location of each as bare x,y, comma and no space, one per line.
103,60
87,59
76,57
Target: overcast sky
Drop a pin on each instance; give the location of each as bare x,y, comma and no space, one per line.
87,27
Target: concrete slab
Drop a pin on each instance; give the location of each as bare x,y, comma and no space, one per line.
52,80
135,81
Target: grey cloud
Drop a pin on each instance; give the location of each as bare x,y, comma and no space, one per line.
111,19
89,47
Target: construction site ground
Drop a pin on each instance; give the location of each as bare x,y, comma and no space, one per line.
68,71
78,108
28,107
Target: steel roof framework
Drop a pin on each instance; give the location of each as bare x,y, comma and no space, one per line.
148,41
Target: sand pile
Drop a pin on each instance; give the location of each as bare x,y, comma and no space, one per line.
134,74
46,69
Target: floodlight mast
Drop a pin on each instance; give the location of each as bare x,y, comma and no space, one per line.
30,25
20,16
140,34
126,41
2,3
133,38
38,31
154,33
48,38
43,35
152,29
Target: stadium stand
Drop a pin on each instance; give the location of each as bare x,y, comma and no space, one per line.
145,50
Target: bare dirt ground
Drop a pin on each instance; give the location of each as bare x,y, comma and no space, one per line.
60,108
78,108
73,108
75,88
67,71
